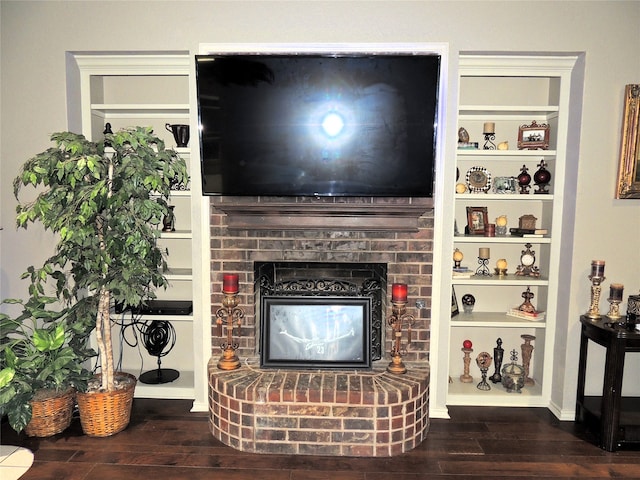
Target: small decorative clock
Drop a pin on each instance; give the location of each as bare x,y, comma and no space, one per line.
527,267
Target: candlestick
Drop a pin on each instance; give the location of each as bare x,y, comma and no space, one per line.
399,292
484,253
615,297
466,361
596,277
233,315
398,318
230,283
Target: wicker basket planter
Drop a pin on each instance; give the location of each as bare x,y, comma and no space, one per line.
51,413
106,413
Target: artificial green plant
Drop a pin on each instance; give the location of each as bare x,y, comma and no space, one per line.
104,200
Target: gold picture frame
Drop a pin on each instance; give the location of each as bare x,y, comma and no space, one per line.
534,136
628,171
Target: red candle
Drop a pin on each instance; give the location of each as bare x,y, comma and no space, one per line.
597,268
467,344
230,283
399,292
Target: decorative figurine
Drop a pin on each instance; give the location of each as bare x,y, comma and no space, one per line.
542,178
463,135
169,220
501,226
457,258
468,301
513,375
501,267
524,179
107,130
527,261
527,351
484,362
527,306
498,354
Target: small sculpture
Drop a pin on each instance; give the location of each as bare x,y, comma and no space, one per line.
524,179
169,220
542,178
484,362
463,135
498,354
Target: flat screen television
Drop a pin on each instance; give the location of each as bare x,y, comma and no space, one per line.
318,124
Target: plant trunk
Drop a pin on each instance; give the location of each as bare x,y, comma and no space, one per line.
103,336
103,320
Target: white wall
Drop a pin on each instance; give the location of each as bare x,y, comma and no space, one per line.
36,35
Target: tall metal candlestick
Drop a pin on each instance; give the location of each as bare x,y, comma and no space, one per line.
596,277
399,317
233,315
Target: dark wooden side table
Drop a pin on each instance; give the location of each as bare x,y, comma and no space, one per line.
613,418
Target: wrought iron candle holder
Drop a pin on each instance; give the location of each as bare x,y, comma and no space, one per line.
489,132
483,269
488,141
398,318
232,315
596,277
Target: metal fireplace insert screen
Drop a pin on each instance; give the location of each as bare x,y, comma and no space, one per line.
315,332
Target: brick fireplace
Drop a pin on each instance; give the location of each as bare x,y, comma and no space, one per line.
325,412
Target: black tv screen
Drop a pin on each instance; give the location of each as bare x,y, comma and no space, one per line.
318,125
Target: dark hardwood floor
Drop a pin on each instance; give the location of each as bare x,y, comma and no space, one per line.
166,442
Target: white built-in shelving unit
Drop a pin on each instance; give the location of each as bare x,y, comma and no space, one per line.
153,89
510,91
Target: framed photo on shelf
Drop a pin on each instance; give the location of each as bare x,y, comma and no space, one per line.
454,303
477,218
533,137
628,171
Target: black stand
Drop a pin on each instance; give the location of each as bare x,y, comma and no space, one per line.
156,336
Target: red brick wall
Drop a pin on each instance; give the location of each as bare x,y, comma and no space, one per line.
408,255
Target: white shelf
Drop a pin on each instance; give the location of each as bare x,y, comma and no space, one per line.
506,280
140,110
515,155
502,197
468,394
493,320
527,110
506,239
181,388
184,234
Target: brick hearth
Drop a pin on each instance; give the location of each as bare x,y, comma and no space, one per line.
275,230
370,414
